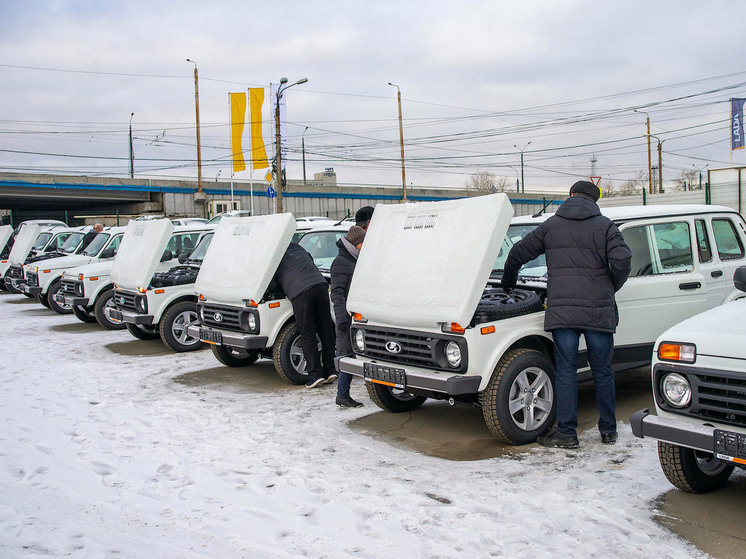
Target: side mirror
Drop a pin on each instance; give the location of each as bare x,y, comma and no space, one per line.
167,255
183,257
108,253
739,278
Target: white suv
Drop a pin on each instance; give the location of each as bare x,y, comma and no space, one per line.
238,317
428,324
699,386
158,303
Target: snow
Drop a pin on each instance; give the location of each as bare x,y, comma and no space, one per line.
114,447
398,281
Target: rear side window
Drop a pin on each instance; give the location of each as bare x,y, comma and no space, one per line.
726,239
322,247
662,248
115,242
183,243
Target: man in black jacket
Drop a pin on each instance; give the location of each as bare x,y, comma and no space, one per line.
342,270
299,278
88,237
587,263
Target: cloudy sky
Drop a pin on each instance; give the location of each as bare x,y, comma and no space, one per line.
479,81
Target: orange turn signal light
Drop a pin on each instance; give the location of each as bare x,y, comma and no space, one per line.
274,305
357,317
488,330
453,327
159,291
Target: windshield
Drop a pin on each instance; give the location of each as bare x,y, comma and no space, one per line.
69,246
198,254
41,241
95,245
322,246
536,268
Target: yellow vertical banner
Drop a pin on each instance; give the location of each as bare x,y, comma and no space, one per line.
238,119
259,154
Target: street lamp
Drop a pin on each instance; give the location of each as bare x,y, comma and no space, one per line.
401,143
303,149
523,182
700,173
196,109
278,155
132,151
650,164
217,175
517,181
660,161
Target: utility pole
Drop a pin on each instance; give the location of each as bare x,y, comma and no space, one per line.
132,151
303,149
196,108
401,143
523,182
278,153
650,164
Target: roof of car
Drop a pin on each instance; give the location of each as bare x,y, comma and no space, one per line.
626,213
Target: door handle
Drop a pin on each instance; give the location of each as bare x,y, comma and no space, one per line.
716,273
690,285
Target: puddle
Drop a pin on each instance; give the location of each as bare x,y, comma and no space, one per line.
77,327
137,347
260,377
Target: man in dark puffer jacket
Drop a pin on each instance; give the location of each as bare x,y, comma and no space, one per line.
587,262
299,278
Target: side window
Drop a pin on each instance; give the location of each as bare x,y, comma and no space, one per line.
703,241
182,243
663,248
59,240
726,239
115,242
674,247
322,247
638,242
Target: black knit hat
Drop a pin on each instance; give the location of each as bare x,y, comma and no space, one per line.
363,215
587,188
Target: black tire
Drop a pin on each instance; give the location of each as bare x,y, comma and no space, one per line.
496,304
174,323
287,354
691,470
42,300
393,399
84,314
106,299
235,356
143,332
54,305
507,412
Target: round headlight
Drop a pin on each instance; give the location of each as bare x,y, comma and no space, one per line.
676,390
453,354
252,321
359,340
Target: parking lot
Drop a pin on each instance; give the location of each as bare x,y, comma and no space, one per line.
114,444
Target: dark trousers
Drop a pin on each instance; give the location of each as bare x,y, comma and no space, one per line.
600,351
313,315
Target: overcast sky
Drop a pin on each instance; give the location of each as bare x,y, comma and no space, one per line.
478,78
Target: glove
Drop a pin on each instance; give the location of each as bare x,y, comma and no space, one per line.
507,287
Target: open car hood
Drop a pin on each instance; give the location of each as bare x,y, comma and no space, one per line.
23,243
141,250
243,256
5,232
429,262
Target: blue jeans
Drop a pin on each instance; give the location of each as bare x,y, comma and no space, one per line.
600,350
343,384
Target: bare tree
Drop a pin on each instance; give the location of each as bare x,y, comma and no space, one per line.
485,181
686,180
633,186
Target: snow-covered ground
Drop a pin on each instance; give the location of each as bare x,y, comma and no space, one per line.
107,453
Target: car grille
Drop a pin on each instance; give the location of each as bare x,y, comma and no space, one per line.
32,279
15,272
229,317
125,301
716,395
417,349
73,288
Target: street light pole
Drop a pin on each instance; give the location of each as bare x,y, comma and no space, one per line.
650,163
401,143
700,173
303,149
278,155
132,151
523,182
196,109
660,161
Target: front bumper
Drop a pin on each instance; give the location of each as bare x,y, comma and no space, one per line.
229,338
131,317
681,433
16,283
430,381
26,288
68,300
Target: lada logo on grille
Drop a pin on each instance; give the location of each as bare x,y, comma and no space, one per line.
218,317
393,347
120,300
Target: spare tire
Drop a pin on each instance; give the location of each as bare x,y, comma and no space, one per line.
496,304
